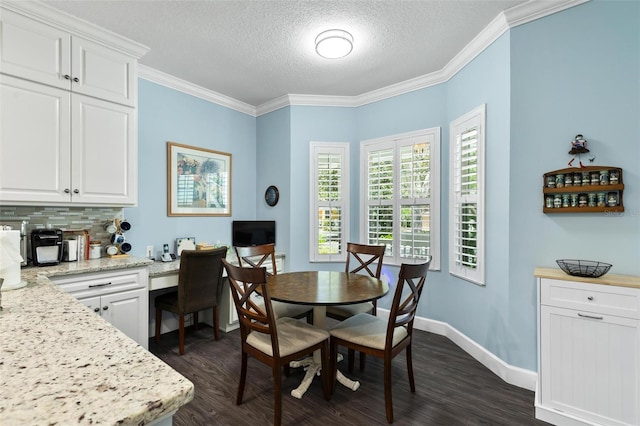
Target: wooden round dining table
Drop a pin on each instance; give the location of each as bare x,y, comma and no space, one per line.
322,289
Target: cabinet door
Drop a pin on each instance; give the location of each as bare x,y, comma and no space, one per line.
102,72
104,152
92,303
126,311
590,365
34,142
34,51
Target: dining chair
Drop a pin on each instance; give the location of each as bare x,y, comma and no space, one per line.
271,340
199,287
361,258
265,255
382,338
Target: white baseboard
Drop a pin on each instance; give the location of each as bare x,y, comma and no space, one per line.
513,375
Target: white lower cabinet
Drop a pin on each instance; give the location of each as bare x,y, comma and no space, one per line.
589,359
120,297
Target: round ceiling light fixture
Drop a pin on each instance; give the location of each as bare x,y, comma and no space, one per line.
334,44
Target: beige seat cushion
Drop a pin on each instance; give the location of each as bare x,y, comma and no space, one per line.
350,310
293,336
282,309
367,330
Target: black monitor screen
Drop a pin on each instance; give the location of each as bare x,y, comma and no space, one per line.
253,232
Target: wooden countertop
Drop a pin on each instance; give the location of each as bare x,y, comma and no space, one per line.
62,364
607,279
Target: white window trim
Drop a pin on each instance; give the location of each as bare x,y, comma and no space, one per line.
474,118
316,148
395,141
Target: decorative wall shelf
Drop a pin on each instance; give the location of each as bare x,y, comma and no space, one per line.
598,189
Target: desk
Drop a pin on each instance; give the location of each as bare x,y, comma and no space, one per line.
322,289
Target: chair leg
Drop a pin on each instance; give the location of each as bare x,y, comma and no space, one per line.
327,367
195,320
158,323
351,354
388,403
181,334
363,359
412,382
243,378
277,394
333,364
216,322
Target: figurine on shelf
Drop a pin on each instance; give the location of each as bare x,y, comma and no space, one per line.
578,146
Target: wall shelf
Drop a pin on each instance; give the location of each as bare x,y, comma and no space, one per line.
599,190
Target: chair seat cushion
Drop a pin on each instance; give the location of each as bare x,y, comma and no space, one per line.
367,330
346,311
282,309
293,336
167,302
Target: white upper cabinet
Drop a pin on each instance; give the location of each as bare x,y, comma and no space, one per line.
38,52
68,122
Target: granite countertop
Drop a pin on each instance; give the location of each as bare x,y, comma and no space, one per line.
607,279
62,364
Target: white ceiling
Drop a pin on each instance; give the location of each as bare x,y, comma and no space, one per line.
257,51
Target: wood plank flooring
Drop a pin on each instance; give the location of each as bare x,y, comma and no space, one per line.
452,388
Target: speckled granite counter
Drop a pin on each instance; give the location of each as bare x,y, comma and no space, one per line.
62,364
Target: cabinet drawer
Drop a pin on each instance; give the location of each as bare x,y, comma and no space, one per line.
606,299
94,284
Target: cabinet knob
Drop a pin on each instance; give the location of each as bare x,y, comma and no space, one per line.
67,77
105,308
76,191
96,310
66,190
76,79
590,298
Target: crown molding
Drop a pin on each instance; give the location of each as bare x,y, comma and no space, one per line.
69,23
519,15
184,86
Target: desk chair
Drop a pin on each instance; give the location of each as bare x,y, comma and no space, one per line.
199,287
381,338
270,340
265,254
361,258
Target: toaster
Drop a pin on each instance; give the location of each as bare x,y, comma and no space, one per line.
46,247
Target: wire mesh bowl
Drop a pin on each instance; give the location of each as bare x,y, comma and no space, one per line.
583,268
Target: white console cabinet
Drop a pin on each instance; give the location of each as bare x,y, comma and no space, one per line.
69,102
119,296
589,349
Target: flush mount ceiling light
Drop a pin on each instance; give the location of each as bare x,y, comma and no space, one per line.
334,44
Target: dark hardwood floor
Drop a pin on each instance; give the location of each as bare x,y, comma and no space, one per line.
452,388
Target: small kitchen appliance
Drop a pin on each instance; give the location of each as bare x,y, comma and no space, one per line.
46,247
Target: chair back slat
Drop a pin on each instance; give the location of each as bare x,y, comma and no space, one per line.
252,317
247,255
363,257
200,279
403,310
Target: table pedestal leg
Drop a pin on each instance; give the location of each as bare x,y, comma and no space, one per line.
313,365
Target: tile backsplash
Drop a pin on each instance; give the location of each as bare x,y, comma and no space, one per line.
92,219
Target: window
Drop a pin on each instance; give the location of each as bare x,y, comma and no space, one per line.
466,210
401,197
329,221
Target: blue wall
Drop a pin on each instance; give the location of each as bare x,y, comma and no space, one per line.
576,71
168,115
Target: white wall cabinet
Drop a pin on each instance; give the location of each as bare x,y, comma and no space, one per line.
35,51
589,353
120,297
68,130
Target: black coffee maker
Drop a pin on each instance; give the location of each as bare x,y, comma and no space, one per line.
46,247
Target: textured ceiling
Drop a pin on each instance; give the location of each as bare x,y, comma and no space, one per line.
257,51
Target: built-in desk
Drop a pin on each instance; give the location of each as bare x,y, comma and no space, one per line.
163,278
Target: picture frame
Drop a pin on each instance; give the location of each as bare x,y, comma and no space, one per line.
185,243
198,181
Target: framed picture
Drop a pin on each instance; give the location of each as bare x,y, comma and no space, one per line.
185,243
198,181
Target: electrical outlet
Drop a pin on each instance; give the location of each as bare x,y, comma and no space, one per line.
149,252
